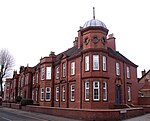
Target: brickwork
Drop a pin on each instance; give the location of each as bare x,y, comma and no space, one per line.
89,75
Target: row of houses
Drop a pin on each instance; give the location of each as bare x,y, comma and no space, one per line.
89,75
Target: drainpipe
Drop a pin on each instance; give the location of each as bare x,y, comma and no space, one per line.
67,89
81,81
124,80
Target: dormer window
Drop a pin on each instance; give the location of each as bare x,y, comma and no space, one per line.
95,39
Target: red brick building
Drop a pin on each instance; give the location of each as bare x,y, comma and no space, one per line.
7,89
90,75
144,84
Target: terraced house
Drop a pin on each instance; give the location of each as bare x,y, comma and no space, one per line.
89,75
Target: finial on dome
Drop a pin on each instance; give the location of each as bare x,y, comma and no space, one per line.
93,12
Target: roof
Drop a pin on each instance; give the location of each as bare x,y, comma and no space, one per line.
68,53
120,56
93,23
143,76
75,50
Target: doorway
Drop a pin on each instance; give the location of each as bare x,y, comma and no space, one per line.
118,95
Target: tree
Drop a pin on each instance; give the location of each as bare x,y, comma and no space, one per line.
7,63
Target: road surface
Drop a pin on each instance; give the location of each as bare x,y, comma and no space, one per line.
8,114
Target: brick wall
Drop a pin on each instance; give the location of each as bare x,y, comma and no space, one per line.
144,100
87,114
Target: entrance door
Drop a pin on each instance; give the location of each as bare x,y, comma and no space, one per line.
118,92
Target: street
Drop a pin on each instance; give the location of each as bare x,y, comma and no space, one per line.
8,114
145,117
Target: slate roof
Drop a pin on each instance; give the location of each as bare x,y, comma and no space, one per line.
143,76
75,50
68,53
120,56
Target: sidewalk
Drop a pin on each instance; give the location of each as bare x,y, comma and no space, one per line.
37,115
145,117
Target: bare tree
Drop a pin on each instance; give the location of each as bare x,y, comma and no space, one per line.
7,63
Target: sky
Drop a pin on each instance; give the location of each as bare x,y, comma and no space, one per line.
31,29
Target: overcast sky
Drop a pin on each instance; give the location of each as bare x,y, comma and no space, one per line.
30,29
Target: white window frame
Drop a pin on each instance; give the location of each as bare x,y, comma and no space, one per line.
104,63
48,73
22,81
36,98
33,95
42,94
128,72
87,58
129,93
57,93
26,79
98,90
64,69
72,92
37,78
73,68
48,92
87,91
57,73
63,93
95,62
105,91
117,69
42,73
33,80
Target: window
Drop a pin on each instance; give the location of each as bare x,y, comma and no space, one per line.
104,63
104,90
87,91
48,72
33,79
96,90
86,63
26,80
22,81
73,68
32,94
57,93
42,74
63,93
64,69
7,87
128,72
42,94
48,92
57,73
37,77
95,62
129,93
19,82
36,95
72,92
95,39
117,69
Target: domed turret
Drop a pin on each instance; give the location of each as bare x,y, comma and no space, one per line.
94,22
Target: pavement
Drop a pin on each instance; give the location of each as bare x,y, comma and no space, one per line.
9,114
145,117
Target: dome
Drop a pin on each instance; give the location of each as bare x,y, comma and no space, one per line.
94,22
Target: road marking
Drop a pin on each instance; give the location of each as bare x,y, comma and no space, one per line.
6,118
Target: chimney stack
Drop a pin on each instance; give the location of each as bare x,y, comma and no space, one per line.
143,72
